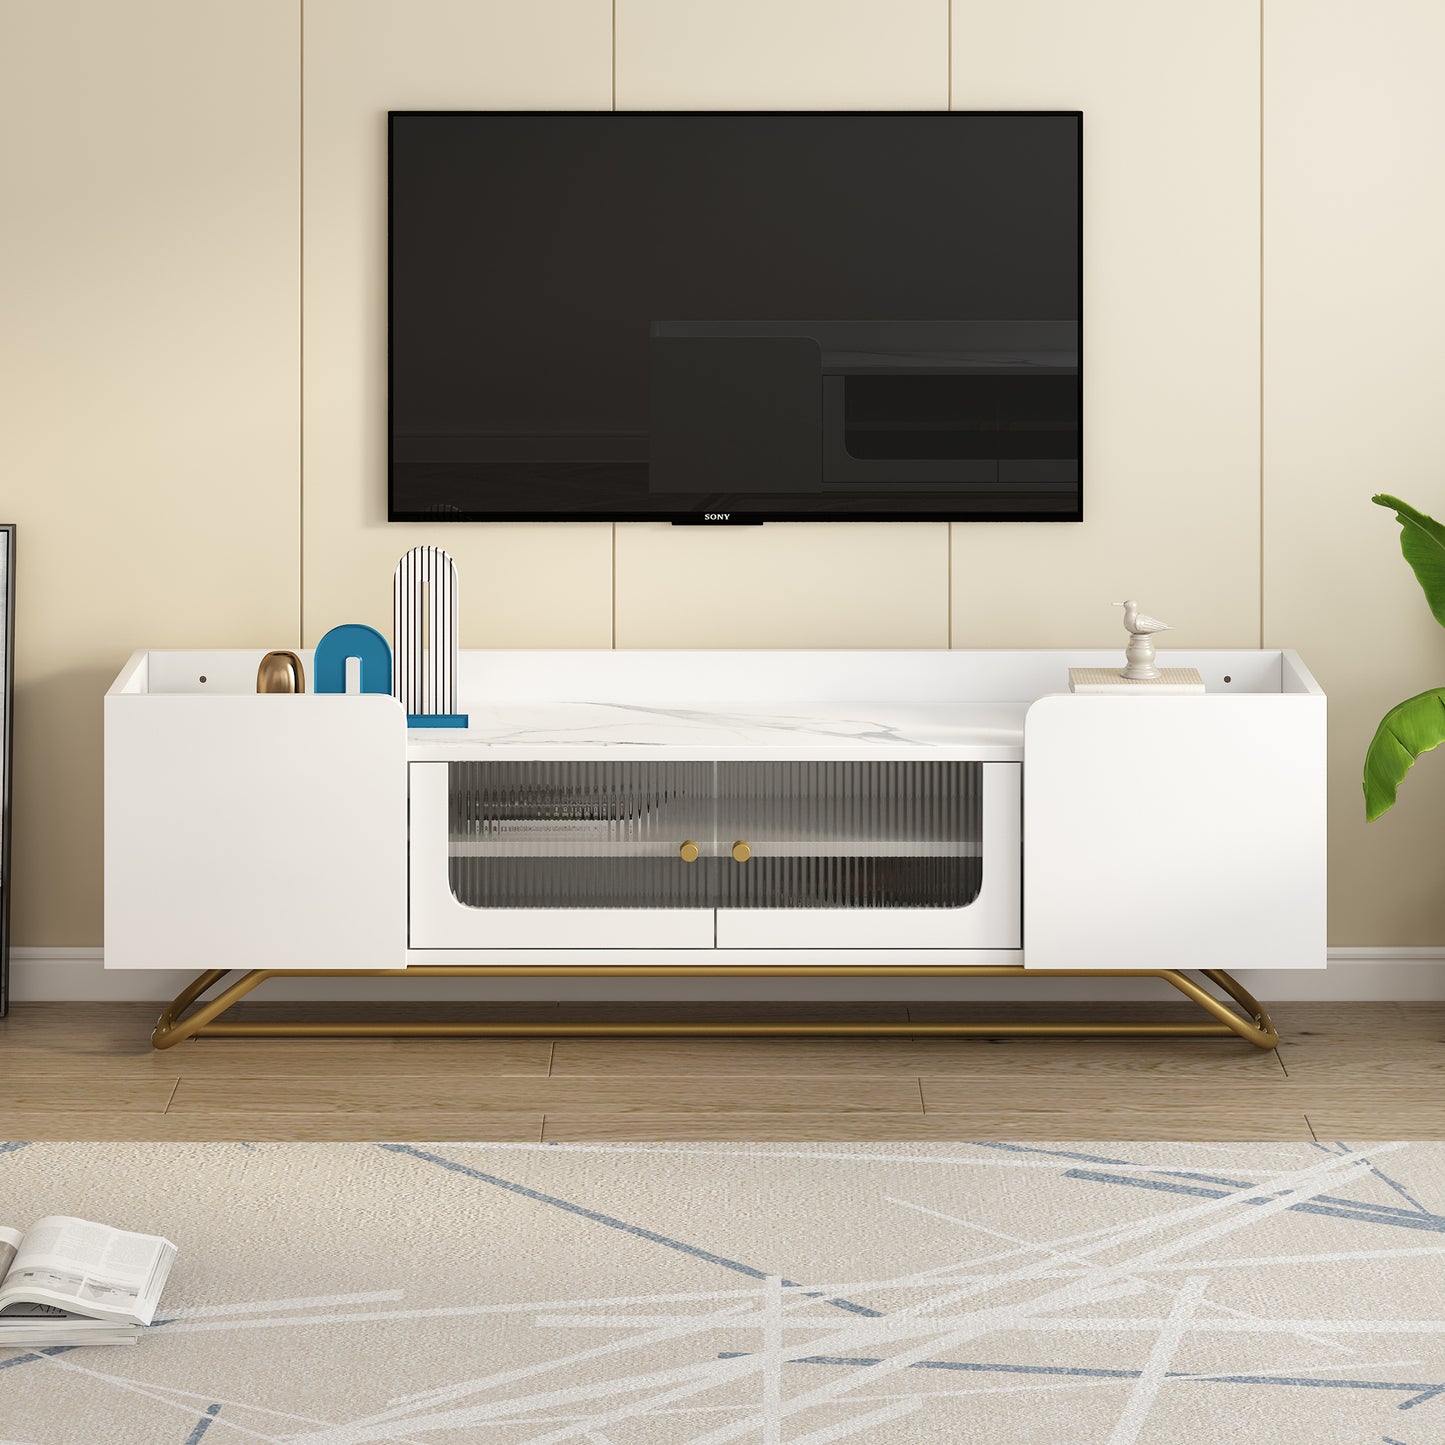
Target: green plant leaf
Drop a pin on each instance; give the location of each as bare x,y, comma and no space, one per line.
1422,540
1406,731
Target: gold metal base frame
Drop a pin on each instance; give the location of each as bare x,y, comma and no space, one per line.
1248,1021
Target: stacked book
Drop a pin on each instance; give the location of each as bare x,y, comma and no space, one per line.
67,1281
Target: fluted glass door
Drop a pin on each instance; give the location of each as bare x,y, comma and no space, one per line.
749,835
849,835
581,834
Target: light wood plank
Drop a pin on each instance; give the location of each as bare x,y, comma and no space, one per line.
1051,1090
441,1059
1396,1114
79,1030
260,1007
85,1070
85,1092
1170,1122
241,1124
1168,1007
733,1011
729,1058
418,1093
1396,1043
1375,1018
1081,1059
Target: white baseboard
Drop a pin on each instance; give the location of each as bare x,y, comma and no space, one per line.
1383,974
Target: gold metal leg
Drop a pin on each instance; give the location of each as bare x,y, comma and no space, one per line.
1248,1021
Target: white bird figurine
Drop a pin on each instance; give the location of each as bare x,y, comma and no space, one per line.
1140,652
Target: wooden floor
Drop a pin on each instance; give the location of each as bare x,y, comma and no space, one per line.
1341,1071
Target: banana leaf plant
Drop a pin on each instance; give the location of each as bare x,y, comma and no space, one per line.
1416,725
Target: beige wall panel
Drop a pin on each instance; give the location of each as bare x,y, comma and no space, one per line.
1170,95
148,360
786,584
522,585
782,54
1354,347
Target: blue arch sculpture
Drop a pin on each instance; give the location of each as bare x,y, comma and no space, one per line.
352,639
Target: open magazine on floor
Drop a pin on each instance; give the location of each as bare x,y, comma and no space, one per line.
69,1281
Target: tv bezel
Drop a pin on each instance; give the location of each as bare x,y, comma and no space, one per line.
692,517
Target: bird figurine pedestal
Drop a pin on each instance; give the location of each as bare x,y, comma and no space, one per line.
1139,656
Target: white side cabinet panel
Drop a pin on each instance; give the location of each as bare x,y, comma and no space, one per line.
1175,832
254,831
992,921
440,921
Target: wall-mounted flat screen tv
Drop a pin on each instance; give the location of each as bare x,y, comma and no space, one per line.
735,317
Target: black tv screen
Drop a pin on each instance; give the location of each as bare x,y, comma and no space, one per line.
735,317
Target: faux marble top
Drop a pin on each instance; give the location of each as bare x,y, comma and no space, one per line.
703,731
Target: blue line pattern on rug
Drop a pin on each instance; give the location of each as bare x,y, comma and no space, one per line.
1311,1381
35,1356
1387,1180
636,1230
1327,1204
202,1425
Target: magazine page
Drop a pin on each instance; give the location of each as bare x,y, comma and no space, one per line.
36,1326
89,1269
9,1243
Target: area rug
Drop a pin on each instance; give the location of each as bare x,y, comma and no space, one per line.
655,1294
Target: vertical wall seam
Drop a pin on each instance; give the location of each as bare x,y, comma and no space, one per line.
301,323
949,42
1262,325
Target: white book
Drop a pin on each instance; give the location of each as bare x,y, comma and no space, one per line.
70,1281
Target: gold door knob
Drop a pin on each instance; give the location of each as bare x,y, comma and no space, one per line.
741,851
688,852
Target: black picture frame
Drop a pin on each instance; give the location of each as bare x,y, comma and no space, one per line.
7,745
735,516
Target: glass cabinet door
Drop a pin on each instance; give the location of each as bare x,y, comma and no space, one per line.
898,856
724,835
580,834
849,835
683,855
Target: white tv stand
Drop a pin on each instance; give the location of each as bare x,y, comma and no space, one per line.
665,813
